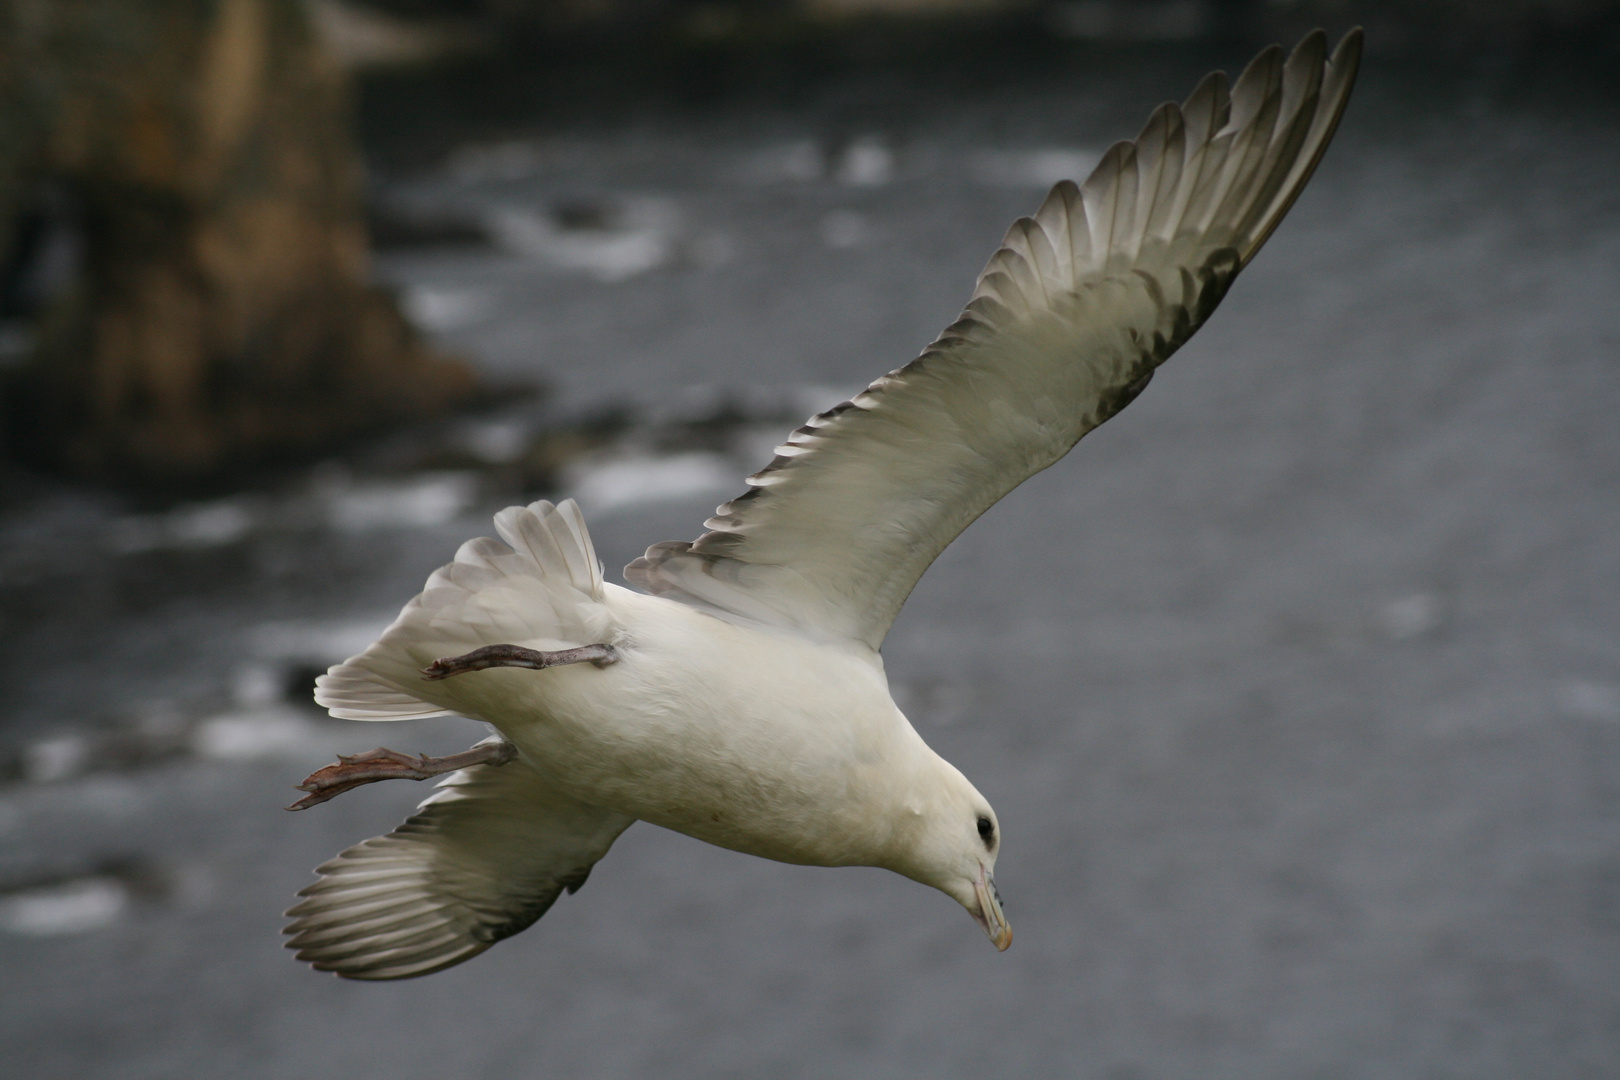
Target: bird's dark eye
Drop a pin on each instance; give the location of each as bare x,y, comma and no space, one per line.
987,831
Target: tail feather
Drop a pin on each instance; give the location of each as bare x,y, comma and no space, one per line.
541,589
554,537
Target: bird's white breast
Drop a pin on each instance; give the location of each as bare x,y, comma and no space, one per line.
759,741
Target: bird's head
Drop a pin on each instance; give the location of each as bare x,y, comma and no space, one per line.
952,843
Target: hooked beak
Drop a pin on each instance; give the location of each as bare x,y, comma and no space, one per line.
989,914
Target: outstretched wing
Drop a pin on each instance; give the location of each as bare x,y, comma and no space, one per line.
1067,323
482,858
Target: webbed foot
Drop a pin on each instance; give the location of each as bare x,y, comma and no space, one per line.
353,770
517,656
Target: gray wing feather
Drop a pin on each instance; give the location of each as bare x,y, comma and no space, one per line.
1064,329
483,858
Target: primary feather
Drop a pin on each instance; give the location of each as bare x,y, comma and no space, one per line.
482,858
1064,329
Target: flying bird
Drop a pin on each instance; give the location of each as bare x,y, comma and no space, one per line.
741,698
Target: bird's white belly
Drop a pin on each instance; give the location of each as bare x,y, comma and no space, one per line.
760,742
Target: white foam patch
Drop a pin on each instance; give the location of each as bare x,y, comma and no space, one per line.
608,485
1590,700
438,310
495,442
1038,168
58,758
72,907
251,735
418,502
866,162
255,685
199,525
637,236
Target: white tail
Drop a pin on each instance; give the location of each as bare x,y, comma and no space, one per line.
541,589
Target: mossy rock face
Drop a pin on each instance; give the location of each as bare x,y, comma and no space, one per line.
223,313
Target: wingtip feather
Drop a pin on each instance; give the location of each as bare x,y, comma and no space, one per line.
1129,263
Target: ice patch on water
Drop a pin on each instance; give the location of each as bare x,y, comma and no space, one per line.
608,485
71,907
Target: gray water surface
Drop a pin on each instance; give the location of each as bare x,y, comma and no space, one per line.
1296,687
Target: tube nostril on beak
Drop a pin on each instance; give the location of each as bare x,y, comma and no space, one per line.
990,915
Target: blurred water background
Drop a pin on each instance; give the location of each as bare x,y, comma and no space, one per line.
1296,687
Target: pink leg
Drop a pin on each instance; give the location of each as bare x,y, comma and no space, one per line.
380,764
517,656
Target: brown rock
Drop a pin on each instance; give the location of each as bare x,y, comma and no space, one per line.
225,315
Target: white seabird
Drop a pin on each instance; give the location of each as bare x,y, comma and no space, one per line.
741,699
